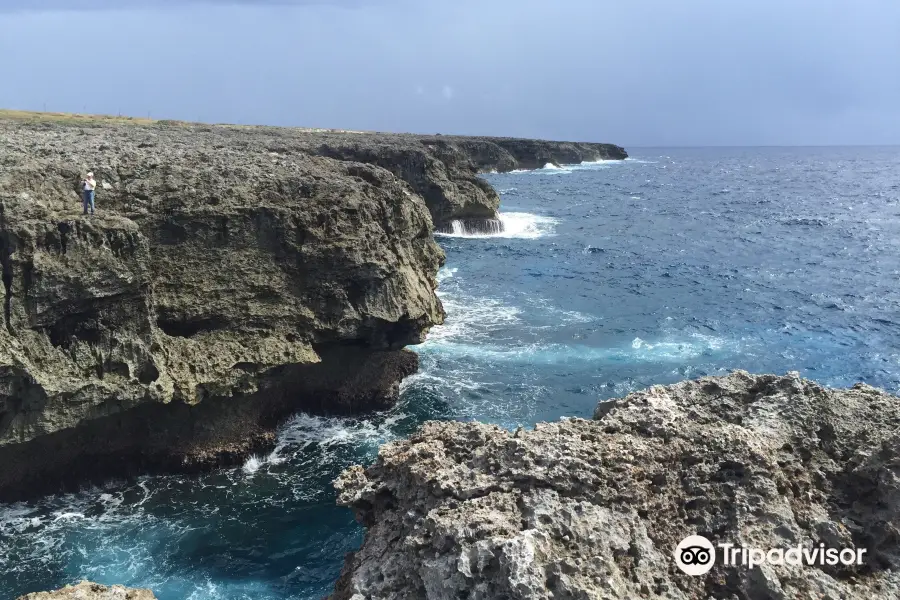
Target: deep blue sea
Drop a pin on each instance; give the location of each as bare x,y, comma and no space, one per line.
611,276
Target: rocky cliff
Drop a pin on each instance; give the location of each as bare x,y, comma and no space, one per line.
232,275
444,169
220,286
91,591
595,509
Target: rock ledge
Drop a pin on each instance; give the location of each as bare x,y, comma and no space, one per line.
91,591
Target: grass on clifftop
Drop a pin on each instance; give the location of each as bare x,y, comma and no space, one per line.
71,118
89,120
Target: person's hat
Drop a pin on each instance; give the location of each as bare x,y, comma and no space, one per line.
90,174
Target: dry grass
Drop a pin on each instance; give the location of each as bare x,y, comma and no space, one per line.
70,118
83,120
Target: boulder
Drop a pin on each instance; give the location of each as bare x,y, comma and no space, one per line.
91,591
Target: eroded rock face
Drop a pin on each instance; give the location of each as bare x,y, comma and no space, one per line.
91,591
595,509
218,288
444,169
509,154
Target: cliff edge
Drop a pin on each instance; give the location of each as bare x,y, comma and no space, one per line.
231,276
596,509
217,289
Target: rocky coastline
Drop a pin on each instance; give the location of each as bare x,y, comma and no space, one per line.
596,508
231,276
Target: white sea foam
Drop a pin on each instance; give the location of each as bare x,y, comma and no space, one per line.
558,315
515,225
564,169
662,351
253,464
547,169
472,320
603,162
68,515
304,432
446,273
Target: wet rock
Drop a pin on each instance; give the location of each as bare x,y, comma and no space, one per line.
595,508
91,591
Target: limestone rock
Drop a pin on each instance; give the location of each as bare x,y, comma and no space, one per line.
215,291
444,169
91,591
595,509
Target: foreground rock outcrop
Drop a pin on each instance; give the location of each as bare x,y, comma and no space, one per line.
91,591
595,509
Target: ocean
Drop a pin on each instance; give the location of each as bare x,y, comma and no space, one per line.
609,277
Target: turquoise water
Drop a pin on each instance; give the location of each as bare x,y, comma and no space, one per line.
612,276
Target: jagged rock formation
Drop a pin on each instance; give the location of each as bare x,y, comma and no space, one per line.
444,169
595,509
91,591
218,289
508,154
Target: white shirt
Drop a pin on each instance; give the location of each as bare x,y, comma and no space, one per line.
90,184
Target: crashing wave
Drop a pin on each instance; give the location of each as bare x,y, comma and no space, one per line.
508,225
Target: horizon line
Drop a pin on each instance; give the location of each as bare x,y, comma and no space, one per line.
13,113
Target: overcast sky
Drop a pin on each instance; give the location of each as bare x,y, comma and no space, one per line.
634,72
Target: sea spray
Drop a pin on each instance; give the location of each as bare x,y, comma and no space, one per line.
509,225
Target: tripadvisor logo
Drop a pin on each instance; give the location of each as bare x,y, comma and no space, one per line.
696,555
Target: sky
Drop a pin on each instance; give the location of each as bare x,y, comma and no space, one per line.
636,73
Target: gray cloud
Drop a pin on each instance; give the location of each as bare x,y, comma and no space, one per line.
695,72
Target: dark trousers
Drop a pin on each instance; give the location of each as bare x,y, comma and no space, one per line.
88,201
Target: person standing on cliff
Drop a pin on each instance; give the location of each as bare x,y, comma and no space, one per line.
88,186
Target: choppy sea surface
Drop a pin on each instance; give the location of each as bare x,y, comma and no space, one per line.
611,276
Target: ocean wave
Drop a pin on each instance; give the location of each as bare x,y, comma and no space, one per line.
603,161
303,431
805,221
550,354
564,169
515,225
472,320
446,273
547,169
